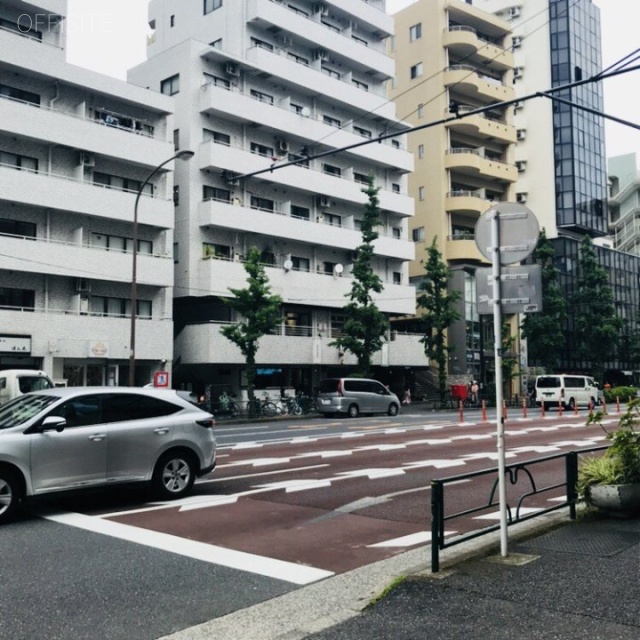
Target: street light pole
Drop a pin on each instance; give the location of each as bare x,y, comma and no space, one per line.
181,155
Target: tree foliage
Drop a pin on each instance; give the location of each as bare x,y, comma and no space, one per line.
365,325
597,324
544,330
259,311
437,304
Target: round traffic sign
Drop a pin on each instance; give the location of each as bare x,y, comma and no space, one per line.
518,232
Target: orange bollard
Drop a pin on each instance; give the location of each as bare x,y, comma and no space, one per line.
590,408
542,409
484,411
504,409
461,414
560,408
575,408
524,408
617,404
604,406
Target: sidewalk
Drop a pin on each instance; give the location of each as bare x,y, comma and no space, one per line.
578,581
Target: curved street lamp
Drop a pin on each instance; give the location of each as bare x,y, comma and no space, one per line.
181,155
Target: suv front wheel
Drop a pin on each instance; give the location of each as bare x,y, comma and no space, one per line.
174,475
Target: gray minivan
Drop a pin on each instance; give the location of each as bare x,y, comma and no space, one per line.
353,396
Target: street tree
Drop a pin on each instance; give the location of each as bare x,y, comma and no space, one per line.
597,324
437,304
365,325
544,330
259,312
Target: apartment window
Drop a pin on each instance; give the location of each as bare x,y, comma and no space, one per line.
332,219
300,212
172,21
19,94
334,122
170,86
396,233
417,235
361,85
298,59
301,161
420,110
264,204
395,144
268,257
16,161
211,5
209,135
261,97
296,108
262,150
330,72
122,184
301,264
209,78
365,133
420,193
21,299
215,193
176,253
360,40
17,228
176,139
218,251
119,243
420,151
395,187
357,225
121,307
397,277
256,42
332,169
176,195
362,178
24,28
415,71
415,32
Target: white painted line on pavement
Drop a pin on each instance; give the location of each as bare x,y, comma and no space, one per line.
496,514
408,541
240,560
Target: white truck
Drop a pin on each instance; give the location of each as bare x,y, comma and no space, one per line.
16,382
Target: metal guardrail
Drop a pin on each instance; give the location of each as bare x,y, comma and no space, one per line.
515,514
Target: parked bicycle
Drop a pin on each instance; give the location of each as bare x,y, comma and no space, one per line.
227,405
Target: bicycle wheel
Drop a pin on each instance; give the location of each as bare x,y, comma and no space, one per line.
269,409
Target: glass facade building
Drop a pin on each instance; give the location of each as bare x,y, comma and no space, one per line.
579,148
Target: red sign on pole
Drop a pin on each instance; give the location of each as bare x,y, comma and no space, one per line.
161,379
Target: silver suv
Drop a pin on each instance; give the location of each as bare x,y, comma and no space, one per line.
84,437
354,396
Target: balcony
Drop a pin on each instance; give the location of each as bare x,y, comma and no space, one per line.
300,287
273,16
66,194
72,333
220,214
203,343
463,249
466,202
472,162
216,100
35,255
18,48
482,126
60,128
218,157
470,81
310,81
465,43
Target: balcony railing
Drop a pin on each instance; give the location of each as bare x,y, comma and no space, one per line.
477,72
26,35
78,312
475,33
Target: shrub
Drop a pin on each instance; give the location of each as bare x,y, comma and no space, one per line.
624,394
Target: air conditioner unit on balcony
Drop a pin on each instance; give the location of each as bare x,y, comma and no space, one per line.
83,285
82,304
305,111
514,12
231,69
282,146
323,201
521,165
320,54
521,197
516,42
518,105
521,134
320,8
518,72
87,160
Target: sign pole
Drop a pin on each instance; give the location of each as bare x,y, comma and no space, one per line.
497,331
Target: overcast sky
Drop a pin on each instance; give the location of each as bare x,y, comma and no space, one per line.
110,37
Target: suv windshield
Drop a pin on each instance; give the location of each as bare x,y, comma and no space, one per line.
22,409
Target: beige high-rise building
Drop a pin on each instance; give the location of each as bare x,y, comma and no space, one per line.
452,58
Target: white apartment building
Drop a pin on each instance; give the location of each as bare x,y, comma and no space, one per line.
258,83
75,148
624,202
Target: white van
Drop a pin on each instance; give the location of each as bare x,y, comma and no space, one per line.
17,382
570,390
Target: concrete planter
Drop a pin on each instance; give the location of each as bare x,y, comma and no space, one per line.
620,499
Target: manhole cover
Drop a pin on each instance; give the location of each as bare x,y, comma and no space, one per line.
593,541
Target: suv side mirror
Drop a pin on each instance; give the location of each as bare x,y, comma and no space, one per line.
53,423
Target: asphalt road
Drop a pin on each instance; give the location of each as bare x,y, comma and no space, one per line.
291,503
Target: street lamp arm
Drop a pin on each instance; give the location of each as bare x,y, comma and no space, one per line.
181,155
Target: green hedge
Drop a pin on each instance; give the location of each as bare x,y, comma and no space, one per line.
624,394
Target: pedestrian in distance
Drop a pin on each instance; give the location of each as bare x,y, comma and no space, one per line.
474,392
406,399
